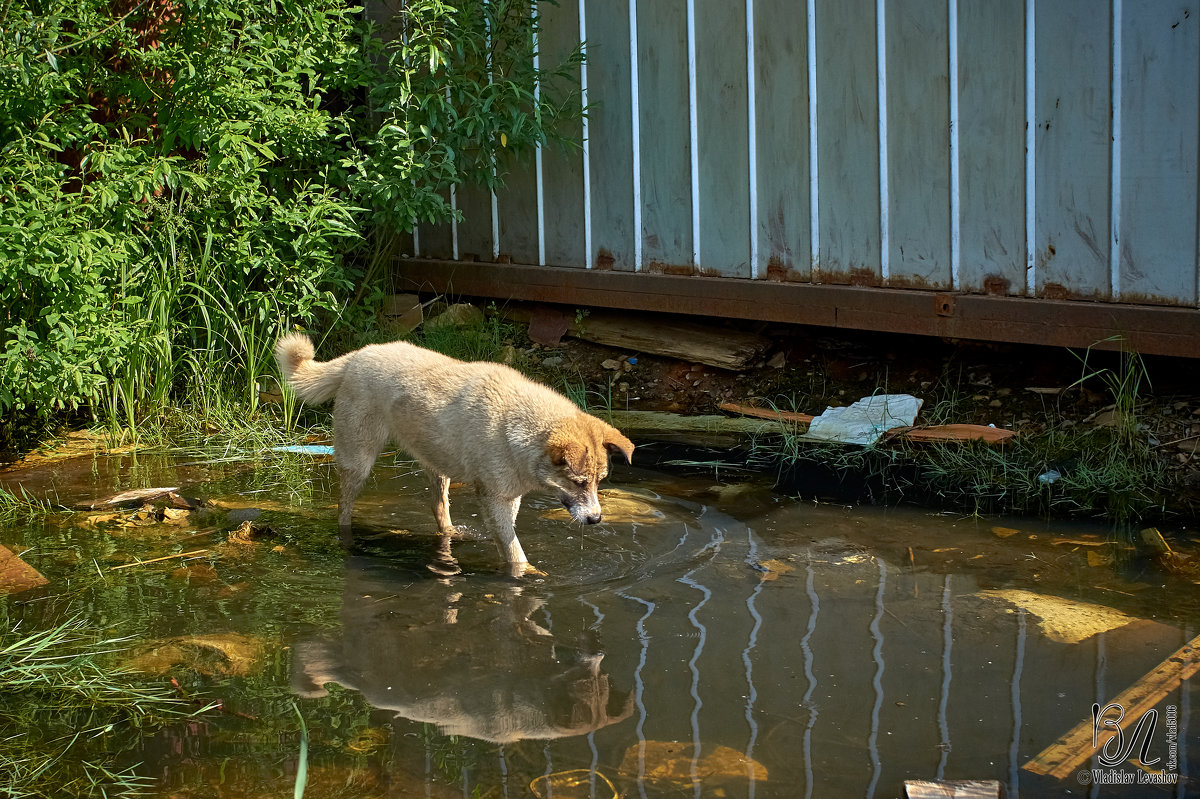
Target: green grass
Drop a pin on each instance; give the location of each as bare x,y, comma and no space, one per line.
67,717
1103,472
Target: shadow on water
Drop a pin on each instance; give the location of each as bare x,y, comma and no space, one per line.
709,639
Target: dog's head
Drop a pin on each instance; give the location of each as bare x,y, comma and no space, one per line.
578,450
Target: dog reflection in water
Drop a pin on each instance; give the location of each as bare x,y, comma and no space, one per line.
474,664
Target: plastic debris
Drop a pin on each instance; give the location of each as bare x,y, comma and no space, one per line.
1049,477
952,789
865,421
579,783
306,449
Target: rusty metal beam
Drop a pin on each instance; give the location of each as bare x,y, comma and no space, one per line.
1150,330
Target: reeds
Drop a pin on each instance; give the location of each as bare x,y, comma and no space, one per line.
65,716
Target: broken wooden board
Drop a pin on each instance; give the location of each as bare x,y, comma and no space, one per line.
952,789
932,433
1062,758
673,338
767,413
953,432
138,497
16,575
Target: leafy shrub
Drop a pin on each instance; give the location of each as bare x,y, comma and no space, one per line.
180,180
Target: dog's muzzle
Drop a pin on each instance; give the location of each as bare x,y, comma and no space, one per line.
580,513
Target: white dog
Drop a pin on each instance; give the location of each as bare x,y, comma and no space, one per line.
480,422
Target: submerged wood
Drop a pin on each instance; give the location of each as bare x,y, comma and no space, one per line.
16,575
140,496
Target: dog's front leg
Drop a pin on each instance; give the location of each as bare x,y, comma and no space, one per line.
503,517
443,562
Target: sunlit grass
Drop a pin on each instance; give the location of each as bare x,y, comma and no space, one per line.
65,715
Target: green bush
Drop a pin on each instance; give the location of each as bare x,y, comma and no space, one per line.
180,180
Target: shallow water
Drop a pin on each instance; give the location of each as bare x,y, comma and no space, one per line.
708,639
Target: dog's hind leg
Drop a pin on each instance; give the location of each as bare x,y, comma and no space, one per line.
355,448
443,562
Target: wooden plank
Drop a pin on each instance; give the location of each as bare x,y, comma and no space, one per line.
1065,755
673,338
991,145
723,129
610,129
16,575
1160,78
781,75
1146,329
666,164
918,126
847,142
946,433
1073,151
952,789
767,413
562,166
134,498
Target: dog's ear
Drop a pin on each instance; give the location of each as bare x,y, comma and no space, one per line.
615,441
568,453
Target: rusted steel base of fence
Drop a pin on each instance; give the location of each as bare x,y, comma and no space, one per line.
1151,330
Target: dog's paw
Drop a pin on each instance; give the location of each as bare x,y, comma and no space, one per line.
530,570
444,566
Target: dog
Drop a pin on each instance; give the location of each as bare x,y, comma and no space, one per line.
480,422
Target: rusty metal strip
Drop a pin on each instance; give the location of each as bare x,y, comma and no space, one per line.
1151,330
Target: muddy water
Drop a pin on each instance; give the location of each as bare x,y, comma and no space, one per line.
708,639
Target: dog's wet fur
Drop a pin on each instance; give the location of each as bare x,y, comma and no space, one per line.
483,423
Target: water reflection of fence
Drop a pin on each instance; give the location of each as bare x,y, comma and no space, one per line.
848,675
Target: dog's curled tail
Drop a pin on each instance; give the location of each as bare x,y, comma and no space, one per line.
313,381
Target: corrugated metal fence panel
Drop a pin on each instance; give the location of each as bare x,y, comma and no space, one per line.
722,93
991,139
1072,145
993,146
847,142
666,182
782,162
562,179
1158,150
610,143
918,153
